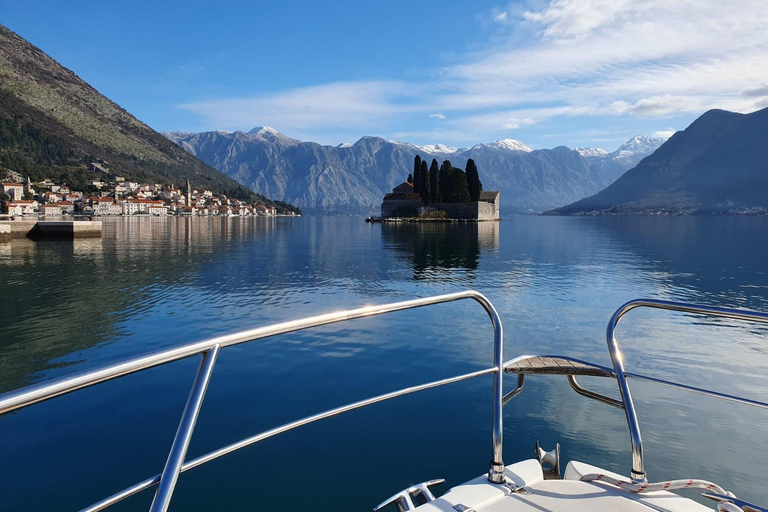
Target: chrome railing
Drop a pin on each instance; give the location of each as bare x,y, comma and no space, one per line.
620,374
177,463
209,349
638,467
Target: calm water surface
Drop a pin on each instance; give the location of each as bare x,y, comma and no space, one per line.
153,283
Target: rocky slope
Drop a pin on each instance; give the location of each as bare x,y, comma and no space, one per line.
53,124
352,178
717,164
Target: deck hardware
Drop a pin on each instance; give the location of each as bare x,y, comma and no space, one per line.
516,489
462,508
744,505
550,461
519,389
404,498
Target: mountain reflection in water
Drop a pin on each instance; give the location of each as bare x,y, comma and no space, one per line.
151,283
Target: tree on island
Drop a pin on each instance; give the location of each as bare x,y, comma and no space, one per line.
418,185
473,181
410,179
453,184
434,183
424,181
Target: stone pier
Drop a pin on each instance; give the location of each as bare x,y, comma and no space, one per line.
44,230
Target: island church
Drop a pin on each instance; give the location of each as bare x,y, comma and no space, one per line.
404,202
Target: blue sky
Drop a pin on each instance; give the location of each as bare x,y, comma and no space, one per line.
570,72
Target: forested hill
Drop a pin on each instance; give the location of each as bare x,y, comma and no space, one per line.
53,124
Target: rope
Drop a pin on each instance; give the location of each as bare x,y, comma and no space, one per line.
639,488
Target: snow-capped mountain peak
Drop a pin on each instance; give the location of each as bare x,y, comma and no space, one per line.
263,130
591,152
639,144
345,145
438,148
507,144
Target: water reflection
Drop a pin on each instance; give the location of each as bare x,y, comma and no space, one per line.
434,248
555,281
67,296
716,260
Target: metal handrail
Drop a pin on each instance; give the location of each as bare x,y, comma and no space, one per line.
210,348
638,468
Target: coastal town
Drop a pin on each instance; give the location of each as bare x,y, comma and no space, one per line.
114,195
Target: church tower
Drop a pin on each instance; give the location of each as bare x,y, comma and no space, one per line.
189,194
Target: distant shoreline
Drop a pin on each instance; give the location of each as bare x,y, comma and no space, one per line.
400,220
658,213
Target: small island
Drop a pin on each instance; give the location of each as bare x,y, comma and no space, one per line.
440,194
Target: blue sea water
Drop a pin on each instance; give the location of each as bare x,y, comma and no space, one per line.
152,283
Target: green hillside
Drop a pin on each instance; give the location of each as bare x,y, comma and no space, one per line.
53,124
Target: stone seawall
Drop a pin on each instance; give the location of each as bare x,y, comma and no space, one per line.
479,210
400,208
68,229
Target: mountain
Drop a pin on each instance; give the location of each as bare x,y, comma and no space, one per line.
717,164
637,146
53,124
626,157
353,178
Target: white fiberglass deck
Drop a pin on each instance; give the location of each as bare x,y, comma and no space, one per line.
567,495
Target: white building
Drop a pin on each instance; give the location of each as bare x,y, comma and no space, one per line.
22,207
135,206
14,190
157,209
104,206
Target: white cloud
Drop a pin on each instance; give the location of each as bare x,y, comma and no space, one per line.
569,58
757,92
342,104
664,134
514,123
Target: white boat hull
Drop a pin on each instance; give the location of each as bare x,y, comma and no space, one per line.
567,495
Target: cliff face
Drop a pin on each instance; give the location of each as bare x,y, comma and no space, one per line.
353,178
52,124
719,163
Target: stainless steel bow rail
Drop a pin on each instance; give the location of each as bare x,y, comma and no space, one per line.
176,462
570,367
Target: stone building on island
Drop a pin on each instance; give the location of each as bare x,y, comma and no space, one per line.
404,202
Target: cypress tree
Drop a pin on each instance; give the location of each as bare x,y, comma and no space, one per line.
417,187
459,186
424,177
473,181
410,179
446,190
434,183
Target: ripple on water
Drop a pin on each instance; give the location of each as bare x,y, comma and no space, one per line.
153,283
